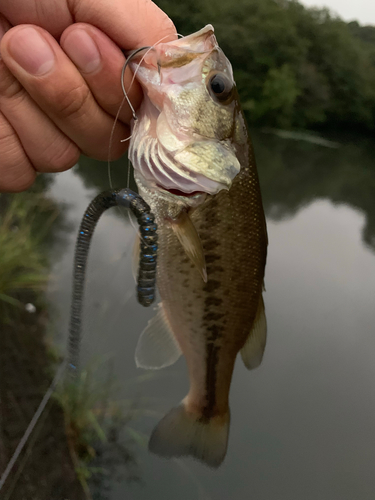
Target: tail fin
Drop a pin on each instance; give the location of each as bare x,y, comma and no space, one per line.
181,432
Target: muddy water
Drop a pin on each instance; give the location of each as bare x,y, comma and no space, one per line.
303,424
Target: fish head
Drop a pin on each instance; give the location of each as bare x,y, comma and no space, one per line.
185,140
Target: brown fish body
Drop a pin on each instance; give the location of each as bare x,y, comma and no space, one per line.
211,319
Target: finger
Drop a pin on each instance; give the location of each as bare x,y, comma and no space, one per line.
130,24
100,62
53,15
44,70
48,149
16,171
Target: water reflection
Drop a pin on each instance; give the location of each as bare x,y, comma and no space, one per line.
294,173
302,424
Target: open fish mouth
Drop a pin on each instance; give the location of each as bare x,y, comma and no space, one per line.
181,194
176,192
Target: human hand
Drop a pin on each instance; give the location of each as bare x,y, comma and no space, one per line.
60,100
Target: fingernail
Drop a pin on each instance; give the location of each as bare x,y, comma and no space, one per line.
31,51
82,50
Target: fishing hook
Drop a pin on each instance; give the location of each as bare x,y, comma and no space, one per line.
128,59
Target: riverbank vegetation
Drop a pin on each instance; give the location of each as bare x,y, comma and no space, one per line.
80,427
24,222
294,66
26,366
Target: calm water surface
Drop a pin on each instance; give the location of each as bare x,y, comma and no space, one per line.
303,424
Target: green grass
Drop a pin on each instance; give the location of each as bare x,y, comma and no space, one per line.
24,223
96,420
91,414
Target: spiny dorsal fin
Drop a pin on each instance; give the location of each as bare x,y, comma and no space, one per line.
252,351
157,346
190,241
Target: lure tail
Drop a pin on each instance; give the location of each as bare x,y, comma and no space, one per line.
182,432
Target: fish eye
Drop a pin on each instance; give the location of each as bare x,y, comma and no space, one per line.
220,86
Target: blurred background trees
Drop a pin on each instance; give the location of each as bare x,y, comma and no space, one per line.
294,66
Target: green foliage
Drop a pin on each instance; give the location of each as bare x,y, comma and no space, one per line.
294,66
88,413
95,420
24,220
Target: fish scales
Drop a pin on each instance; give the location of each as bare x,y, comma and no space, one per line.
212,243
235,267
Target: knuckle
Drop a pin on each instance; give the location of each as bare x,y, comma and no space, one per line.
8,139
18,181
73,103
6,136
62,157
10,88
16,173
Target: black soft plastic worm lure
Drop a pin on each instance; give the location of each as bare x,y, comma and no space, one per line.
147,264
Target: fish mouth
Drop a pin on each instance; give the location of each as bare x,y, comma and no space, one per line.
177,192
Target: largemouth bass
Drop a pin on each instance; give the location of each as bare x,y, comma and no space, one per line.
194,165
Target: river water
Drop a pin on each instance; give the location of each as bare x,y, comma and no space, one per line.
303,424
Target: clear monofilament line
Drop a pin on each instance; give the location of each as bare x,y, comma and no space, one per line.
32,424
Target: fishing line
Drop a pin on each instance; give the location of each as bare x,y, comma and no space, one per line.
32,424
129,57
127,99
111,141
27,453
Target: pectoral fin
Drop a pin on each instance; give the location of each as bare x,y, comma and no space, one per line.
190,241
157,346
252,351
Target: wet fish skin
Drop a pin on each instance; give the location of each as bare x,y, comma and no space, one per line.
211,320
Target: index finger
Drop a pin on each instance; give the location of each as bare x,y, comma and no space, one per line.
130,24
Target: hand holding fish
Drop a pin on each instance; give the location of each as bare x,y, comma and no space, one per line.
58,100
194,167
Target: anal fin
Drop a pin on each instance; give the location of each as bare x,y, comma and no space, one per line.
252,351
157,346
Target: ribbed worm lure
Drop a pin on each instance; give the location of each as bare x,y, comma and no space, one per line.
147,262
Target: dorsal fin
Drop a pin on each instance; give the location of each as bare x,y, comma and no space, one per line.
252,351
190,241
